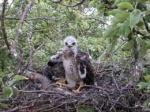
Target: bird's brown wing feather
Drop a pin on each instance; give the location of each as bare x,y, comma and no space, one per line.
85,63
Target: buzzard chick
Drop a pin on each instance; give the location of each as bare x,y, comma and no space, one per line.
77,65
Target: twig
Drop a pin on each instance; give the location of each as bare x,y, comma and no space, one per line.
21,20
3,25
115,80
8,8
19,108
96,87
62,104
44,91
39,47
137,63
111,55
143,35
30,50
96,19
115,102
99,60
32,19
85,43
13,110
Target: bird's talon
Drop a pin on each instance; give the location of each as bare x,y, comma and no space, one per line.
76,91
60,84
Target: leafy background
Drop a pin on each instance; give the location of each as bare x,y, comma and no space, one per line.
111,31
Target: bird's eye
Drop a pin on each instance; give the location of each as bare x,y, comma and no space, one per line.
73,43
66,43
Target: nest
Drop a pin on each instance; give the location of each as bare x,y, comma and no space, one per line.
112,92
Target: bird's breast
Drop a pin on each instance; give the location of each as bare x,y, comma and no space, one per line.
71,69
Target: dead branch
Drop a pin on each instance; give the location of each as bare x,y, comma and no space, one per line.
45,84
58,91
13,110
103,97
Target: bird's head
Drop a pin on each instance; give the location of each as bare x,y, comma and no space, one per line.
70,44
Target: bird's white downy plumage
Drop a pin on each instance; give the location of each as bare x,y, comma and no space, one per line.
70,62
70,44
57,57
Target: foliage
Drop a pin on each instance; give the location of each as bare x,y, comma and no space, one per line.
114,26
8,90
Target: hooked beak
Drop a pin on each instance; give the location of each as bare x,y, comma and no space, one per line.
69,45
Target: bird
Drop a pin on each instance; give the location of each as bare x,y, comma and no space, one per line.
77,64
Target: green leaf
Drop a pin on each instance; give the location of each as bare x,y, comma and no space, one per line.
7,91
143,46
2,105
135,17
18,78
147,17
129,45
1,81
127,31
125,5
15,92
143,50
141,5
117,2
120,17
124,28
85,109
113,12
140,24
146,104
147,78
139,1
113,43
110,32
143,85
148,7
92,3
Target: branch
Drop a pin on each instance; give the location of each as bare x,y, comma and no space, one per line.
81,2
143,36
146,25
14,43
45,84
138,64
3,25
22,19
31,49
39,47
9,7
31,19
96,19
